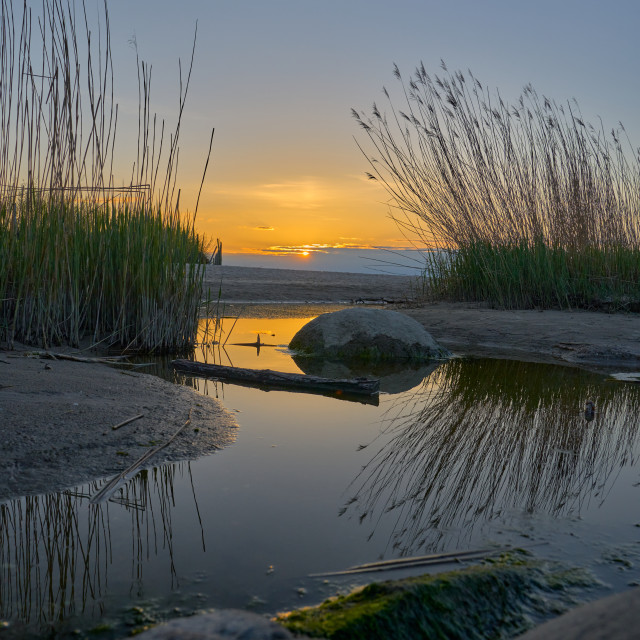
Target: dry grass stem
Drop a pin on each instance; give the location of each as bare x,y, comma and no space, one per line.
81,256
523,204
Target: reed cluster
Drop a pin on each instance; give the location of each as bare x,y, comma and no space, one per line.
80,257
119,272
523,204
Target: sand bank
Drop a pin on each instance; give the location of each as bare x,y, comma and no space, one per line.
56,419
258,285
597,341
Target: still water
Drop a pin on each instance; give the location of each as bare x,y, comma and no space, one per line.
469,454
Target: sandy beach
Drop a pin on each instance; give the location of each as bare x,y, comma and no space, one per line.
596,340
50,411
258,285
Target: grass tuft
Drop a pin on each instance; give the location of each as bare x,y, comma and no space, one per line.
524,205
80,257
120,275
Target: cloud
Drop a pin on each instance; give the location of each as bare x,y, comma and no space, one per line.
308,249
300,250
306,193
264,228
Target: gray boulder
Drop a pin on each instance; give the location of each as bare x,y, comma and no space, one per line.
366,335
616,617
224,624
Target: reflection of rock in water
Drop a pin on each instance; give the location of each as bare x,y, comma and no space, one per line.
485,436
395,377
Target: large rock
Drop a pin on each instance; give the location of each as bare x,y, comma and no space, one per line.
614,618
224,624
495,599
366,335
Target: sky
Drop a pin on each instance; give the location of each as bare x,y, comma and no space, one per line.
278,78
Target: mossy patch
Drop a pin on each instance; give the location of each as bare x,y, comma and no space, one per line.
493,600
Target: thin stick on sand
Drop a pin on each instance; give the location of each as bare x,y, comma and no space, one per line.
109,489
65,356
124,422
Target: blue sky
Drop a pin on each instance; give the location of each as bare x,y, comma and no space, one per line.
277,78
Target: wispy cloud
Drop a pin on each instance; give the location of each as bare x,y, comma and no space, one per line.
301,249
309,249
306,193
264,228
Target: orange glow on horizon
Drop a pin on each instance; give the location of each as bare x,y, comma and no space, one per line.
306,250
296,214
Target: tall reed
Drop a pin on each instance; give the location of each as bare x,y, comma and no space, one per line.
525,204
79,256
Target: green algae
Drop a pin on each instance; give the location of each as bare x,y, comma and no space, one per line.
496,599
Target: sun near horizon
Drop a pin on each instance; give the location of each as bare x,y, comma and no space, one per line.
299,221
297,216
285,169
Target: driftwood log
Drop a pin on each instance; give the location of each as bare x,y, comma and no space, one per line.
280,380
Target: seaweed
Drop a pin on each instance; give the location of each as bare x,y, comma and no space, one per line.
498,599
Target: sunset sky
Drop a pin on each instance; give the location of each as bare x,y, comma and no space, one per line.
277,79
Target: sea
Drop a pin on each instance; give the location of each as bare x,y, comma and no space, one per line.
387,261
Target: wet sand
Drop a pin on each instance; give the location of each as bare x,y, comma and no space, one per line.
56,420
597,341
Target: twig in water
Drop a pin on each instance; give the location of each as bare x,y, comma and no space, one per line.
232,326
417,561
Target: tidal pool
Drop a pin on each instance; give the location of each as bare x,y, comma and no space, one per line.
469,454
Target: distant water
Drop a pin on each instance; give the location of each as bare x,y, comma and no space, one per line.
401,262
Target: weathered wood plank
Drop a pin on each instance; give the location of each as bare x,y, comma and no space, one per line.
267,377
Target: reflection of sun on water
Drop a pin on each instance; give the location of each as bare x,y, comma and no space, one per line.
235,334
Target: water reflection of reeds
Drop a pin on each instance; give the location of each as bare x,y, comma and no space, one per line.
56,549
54,554
480,438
